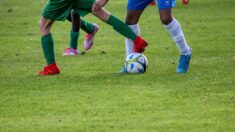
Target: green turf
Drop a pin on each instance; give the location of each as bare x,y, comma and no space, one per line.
90,95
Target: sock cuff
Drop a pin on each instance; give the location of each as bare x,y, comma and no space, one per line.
173,25
134,25
135,28
46,36
111,18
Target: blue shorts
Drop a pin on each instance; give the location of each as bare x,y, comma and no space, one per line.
142,4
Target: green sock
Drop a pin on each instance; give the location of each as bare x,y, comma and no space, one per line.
87,27
74,39
121,27
48,48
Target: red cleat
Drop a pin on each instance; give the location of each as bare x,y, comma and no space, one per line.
185,2
152,3
50,70
139,44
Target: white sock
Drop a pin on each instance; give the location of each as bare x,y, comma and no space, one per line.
129,43
177,34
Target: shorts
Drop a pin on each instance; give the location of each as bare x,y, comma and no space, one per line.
58,10
142,4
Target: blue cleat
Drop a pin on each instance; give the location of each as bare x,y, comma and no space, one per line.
183,63
123,70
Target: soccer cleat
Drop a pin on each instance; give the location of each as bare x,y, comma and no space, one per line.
70,52
152,3
185,2
123,70
139,44
50,70
183,63
88,42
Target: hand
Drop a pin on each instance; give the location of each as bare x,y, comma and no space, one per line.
97,6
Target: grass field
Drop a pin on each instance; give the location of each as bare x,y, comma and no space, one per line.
90,95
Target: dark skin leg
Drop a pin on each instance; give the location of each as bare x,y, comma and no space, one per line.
76,21
75,28
132,17
166,16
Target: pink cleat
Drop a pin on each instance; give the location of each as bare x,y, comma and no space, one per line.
88,42
70,52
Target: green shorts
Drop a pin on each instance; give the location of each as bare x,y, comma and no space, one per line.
58,10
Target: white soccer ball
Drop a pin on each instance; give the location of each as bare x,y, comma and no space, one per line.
136,63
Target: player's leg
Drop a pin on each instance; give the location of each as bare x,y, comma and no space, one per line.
122,28
91,29
175,30
87,26
48,47
132,19
74,35
86,6
54,11
134,11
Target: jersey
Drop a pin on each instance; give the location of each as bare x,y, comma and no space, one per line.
142,4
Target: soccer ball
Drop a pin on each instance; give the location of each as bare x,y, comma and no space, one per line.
136,63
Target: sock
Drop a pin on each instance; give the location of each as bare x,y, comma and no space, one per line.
87,27
74,39
129,43
177,34
48,48
121,27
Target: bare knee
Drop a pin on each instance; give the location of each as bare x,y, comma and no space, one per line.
42,24
166,16
45,25
166,20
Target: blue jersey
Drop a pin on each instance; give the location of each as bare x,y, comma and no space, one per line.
141,4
